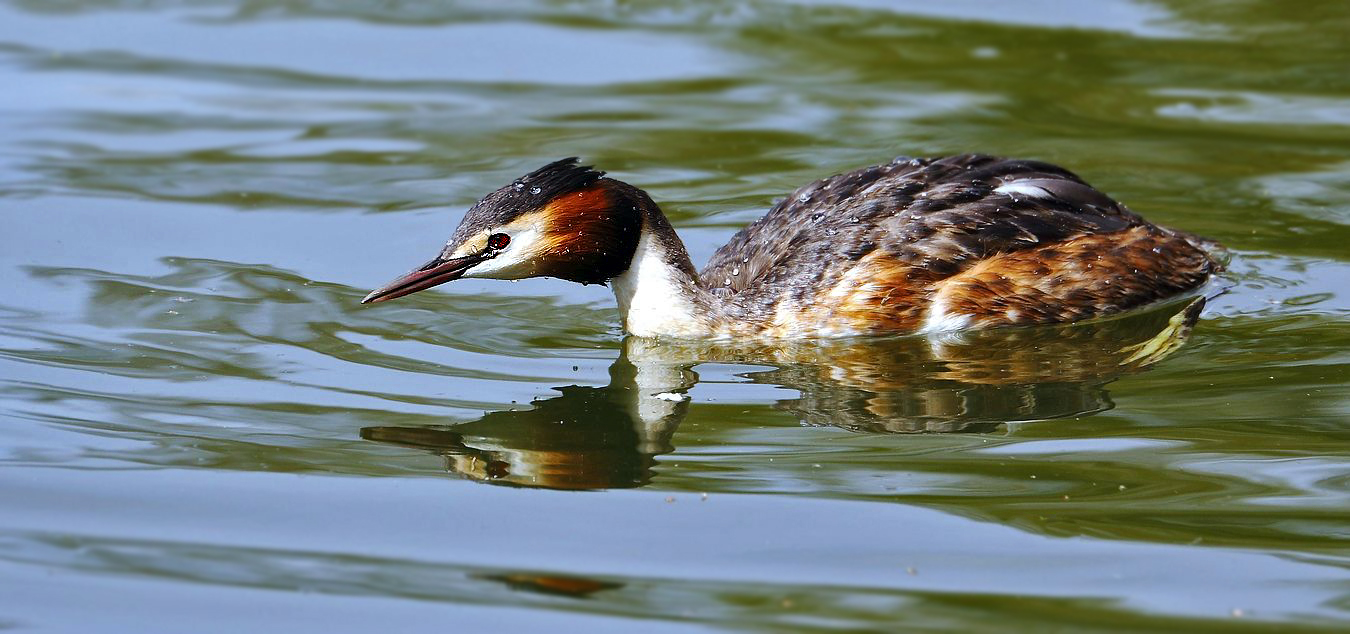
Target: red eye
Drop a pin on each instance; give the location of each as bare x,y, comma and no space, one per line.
498,241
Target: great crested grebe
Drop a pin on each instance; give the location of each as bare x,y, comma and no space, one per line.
916,245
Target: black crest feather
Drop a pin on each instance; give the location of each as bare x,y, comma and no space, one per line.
559,177
529,192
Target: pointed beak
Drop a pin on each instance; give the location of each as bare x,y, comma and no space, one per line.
433,273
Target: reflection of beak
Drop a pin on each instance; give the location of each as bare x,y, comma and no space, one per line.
433,273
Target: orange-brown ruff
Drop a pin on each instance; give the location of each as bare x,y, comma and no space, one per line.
916,245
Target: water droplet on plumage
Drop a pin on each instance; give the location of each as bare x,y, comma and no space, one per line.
803,197
727,282
518,185
815,217
736,271
535,190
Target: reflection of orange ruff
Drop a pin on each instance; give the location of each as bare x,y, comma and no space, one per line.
585,439
917,245
554,584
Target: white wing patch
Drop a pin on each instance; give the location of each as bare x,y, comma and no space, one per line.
1024,188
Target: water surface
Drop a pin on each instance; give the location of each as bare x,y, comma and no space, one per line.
203,428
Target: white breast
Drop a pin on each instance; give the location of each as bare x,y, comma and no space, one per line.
652,300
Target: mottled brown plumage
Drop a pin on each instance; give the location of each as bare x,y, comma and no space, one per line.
968,241
1078,278
871,250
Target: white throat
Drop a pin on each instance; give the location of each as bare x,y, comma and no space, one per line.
653,299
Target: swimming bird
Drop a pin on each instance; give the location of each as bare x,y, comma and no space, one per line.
917,245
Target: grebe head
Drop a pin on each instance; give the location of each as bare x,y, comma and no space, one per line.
562,220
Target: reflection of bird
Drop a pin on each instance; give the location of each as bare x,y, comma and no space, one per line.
608,437
916,245
968,383
586,438
580,440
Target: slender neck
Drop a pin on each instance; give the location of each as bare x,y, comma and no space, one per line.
659,295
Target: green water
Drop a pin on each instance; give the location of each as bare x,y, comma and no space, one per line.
202,430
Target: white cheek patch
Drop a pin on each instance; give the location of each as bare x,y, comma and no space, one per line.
516,262
470,247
